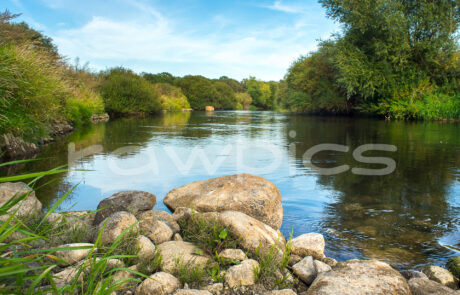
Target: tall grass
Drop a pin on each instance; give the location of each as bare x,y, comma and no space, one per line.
28,269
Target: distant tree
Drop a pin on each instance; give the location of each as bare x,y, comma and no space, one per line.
244,100
234,84
199,91
159,78
226,99
259,91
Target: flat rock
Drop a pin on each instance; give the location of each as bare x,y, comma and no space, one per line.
129,201
28,206
115,224
173,251
241,274
440,275
252,195
156,230
252,232
311,244
305,270
73,256
232,254
420,286
160,283
360,277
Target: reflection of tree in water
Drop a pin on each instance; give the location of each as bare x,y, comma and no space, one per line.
397,217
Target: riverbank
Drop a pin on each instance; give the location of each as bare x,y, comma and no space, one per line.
222,238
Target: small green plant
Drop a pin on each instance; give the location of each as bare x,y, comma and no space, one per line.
150,265
187,272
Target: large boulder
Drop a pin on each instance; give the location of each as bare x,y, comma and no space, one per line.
311,244
252,195
115,225
251,232
420,286
28,206
242,274
174,252
440,275
75,255
129,201
160,283
356,277
155,229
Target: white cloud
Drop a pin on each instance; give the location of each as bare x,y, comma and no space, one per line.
279,6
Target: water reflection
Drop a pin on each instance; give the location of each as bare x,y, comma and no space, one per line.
403,217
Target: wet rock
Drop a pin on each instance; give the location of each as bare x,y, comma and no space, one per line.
14,147
232,254
115,224
160,283
305,270
454,266
252,195
192,292
156,230
73,256
252,232
410,274
26,207
281,292
129,201
356,277
311,244
146,247
440,275
173,251
241,274
420,286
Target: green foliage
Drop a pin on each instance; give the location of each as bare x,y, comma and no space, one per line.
453,265
260,92
159,78
126,93
207,233
244,100
199,91
234,84
189,273
272,271
226,96
171,97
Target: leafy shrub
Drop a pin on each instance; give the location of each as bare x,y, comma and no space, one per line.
126,93
171,97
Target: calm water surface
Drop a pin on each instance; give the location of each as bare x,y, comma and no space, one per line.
408,218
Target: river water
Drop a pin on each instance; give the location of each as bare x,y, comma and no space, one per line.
408,217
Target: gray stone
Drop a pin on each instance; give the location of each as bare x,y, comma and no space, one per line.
305,270
241,274
129,201
321,267
115,224
421,286
156,230
311,244
441,275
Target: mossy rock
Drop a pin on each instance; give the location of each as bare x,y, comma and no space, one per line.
453,265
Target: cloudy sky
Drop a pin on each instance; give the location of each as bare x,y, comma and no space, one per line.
210,38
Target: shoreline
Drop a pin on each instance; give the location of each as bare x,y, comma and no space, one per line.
248,239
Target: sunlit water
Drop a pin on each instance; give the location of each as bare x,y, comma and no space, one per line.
408,218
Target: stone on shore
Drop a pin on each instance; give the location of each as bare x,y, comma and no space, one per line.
232,254
26,207
160,283
174,251
305,270
129,201
321,267
164,217
311,244
215,288
241,274
358,277
440,275
115,224
73,256
281,292
252,195
420,286
145,246
66,276
156,230
410,274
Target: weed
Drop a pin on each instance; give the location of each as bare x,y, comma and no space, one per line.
194,275
150,265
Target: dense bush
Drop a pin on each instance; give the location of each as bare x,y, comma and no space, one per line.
243,100
126,93
171,97
199,91
226,96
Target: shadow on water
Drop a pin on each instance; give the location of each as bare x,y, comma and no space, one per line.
409,217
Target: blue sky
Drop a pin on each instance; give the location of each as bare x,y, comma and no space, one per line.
209,38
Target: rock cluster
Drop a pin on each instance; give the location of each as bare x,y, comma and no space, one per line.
249,208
